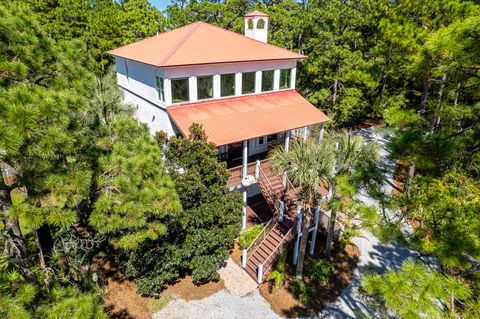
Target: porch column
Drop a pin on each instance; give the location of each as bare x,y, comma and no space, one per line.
244,193
287,145
322,126
244,208
287,140
315,229
245,158
299,233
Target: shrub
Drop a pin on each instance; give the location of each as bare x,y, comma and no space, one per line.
278,275
247,236
300,290
321,271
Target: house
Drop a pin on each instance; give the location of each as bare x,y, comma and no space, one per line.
240,89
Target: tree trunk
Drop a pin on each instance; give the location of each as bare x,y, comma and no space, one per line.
16,246
335,91
438,110
457,94
303,243
423,101
409,181
331,230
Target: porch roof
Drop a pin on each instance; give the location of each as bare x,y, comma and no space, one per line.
240,118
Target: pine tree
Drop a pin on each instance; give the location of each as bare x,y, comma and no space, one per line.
135,193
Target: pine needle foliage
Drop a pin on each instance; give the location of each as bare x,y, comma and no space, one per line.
416,291
136,193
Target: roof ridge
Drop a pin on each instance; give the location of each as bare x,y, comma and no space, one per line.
243,35
195,26
151,37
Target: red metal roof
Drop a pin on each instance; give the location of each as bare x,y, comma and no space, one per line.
236,119
201,43
256,13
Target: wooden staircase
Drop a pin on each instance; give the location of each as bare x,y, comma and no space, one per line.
277,236
268,251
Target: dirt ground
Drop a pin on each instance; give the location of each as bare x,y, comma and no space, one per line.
123,302
187,290
285,304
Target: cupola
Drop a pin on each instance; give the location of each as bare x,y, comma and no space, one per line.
256,26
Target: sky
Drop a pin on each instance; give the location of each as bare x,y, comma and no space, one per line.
160,4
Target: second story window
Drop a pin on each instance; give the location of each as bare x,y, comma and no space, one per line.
248,82
285,78
227,84
267,80
204,87
160,90
180,90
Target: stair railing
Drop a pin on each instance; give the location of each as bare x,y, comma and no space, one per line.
271,195
274,254
260,237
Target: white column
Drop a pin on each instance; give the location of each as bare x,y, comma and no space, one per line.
293,79
276,80
314,235
245,158
258,81
287,140
260,273
168,91
244,258
238,84
257,169
216,86
287,144
192,85
244,174
299,233
320,138
244,208
305,135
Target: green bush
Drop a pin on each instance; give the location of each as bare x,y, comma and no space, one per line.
278,275
300,290
321,271
248,235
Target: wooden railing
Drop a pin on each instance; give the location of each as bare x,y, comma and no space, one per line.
276,252
260,237
268,191
236,174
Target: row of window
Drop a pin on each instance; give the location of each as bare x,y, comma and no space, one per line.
181,92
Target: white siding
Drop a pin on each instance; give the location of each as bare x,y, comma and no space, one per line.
139,86
154,116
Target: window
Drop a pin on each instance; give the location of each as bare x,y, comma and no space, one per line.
267,80
285,78
261,141
248,83
250,24
260,24
227,84
160,91
205,87
180,91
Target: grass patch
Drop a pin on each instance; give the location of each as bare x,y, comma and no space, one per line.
157,304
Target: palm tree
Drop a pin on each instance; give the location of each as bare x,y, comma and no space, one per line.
351,151
307,165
